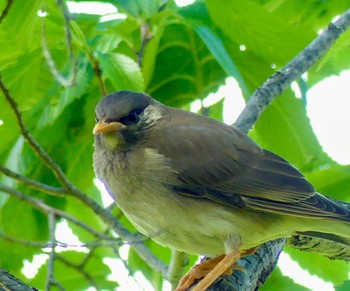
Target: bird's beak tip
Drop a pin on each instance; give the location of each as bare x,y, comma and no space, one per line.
103,127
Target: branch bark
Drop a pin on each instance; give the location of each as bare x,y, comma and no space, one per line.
8,282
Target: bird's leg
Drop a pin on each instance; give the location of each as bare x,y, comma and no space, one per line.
212,269
197,272
227,261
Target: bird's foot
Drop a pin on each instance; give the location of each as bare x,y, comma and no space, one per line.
211,269
198,272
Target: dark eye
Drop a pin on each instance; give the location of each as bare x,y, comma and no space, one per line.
96,119
132,118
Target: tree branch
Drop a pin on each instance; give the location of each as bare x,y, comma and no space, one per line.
279,81
49,162
32,183
9,283
66,82
37,204
51,281
257,269
177,263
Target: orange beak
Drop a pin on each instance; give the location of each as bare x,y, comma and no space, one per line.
103,127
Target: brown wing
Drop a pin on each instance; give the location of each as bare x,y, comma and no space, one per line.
224,165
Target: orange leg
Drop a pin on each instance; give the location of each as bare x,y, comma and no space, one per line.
212,269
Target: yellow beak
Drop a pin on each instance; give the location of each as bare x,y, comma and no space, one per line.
103,127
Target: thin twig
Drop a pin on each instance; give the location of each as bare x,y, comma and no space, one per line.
278,82
108,241
135,240
32,183
146,36
177,263
57,171
87,276
71,56
98,74
6,10
37,204
51,263
66,82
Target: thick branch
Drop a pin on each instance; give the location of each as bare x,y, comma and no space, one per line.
8,283
257,269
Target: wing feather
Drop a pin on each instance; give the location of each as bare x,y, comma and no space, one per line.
220,163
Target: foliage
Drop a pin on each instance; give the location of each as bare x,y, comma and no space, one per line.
177,55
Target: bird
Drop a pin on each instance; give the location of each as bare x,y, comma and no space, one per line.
203,187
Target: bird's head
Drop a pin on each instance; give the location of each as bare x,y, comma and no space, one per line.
123,118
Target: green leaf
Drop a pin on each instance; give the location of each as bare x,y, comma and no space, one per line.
336,60
216,110
333,181
139,8
198,18
17,33
217,48
285,129
19,220
343,287
149,56
268,36
73,275
184,66
122,72
332,271
86,215
277,281
137,264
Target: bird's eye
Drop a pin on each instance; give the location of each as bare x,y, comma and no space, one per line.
132,118
96,119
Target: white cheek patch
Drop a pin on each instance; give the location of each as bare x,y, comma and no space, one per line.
151,114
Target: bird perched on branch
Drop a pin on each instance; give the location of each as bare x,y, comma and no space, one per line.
203,187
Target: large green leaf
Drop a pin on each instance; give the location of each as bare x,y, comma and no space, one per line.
19,220
344,286
268,36
316,14
139,8
333,181
121,71
336,60
285,129
17,32
277,281
199,20
333,271
184,67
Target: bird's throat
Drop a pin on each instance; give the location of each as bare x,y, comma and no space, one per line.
113,141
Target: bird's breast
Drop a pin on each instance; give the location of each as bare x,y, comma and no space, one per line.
139,182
